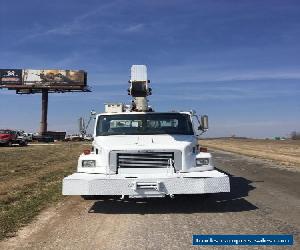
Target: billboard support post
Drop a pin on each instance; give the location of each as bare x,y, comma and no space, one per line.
43,128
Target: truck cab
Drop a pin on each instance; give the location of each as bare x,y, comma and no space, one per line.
137,152
140,143
8,137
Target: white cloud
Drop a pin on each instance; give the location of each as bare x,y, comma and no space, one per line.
134,28
197,93
77,25
261,75
202,72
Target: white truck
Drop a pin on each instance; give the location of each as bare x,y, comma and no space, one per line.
139,153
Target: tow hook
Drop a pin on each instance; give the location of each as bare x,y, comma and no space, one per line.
145,185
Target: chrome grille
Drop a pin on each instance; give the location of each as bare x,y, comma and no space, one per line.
145,159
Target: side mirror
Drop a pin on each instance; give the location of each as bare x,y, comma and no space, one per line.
93,113
204,123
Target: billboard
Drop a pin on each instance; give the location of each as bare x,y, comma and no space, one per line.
42,78
53,77
10,77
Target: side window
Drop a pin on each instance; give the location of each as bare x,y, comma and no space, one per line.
168,123
125,123
195,124
153,124
135,124
173,123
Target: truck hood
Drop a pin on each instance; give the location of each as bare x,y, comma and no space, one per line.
121,142
186,144
4,136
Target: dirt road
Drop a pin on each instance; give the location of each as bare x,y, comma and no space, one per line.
264,200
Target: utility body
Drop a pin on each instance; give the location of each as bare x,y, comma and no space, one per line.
139,153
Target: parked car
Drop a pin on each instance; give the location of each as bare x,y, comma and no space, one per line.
28,136
88,137
8,137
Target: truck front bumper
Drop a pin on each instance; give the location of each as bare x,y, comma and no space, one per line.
146,185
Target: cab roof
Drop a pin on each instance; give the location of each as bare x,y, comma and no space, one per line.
142,113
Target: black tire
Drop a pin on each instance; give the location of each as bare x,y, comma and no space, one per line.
90,197
96,197
207,196
23,143
9,144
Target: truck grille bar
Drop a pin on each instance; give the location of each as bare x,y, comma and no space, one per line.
145,160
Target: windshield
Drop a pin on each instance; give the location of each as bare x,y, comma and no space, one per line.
144,124
4,132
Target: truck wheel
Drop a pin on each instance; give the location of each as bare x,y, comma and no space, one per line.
90,197
23,143
9,144
207,196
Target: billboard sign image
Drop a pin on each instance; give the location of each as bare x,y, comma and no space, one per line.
37,79
11,77
54,77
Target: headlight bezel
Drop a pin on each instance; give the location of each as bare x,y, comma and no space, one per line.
202,162
88,163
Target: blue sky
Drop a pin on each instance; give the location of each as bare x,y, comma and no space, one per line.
237,61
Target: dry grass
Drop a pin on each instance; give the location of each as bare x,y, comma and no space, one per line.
30,178
282,152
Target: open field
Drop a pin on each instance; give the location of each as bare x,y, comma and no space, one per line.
281,152
30,178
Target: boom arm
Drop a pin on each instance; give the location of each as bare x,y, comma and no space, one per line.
139,88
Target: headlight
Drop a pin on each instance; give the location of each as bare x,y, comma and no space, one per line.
202,161
98,150
88,163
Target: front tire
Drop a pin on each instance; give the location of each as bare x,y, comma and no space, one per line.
89,197
207,196
23,143
96,197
